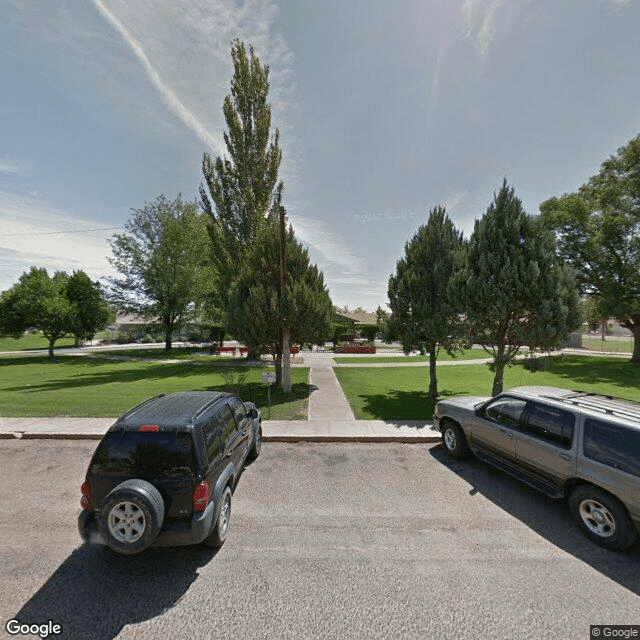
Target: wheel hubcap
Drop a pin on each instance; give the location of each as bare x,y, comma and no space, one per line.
597,518
450,439
224,516
126,522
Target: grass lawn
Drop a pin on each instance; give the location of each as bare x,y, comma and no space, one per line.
470,354
592,343
399,393
98,386
32,341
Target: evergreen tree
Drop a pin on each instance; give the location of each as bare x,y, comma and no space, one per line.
241,189
257,308
422,312
512,289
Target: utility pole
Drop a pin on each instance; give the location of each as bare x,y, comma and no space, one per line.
286,352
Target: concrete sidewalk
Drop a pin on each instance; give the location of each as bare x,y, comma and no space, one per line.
272,430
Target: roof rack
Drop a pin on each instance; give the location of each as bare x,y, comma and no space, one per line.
610,405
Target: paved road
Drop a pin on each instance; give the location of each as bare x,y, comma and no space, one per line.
326,541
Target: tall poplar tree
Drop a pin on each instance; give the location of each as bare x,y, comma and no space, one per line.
423,315
241,189
513,291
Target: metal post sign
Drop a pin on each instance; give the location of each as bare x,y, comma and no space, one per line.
269,377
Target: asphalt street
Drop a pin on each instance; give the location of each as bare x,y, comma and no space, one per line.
327,540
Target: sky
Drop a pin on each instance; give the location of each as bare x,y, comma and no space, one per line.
385,110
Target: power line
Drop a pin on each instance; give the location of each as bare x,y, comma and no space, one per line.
49,233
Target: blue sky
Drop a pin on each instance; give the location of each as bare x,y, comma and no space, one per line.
385,109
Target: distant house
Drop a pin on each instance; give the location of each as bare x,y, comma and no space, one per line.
355,321
131,323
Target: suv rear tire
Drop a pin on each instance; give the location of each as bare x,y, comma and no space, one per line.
602,518
217,537
131,516
254,452
454,440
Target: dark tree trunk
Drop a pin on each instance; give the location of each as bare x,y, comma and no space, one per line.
635,358
433,378
499,363
168,336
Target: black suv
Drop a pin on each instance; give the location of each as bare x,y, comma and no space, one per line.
164,473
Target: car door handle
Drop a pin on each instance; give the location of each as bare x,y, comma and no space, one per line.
565,456
506,433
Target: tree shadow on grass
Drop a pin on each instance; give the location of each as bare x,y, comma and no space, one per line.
547,517
592,370
402,405
94,593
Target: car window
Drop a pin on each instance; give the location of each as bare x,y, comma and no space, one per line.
613,445
211,435
507,411
238,409
145,454
551,424
227,421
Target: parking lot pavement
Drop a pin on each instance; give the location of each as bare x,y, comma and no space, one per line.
326,541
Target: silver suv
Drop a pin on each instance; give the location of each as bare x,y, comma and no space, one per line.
582,446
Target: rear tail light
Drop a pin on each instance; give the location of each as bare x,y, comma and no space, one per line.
201,496
149,427
85,501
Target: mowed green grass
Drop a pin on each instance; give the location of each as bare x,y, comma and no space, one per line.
31,341
469,354
592,343
400,393
98,386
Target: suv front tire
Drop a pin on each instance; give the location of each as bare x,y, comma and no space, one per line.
454,440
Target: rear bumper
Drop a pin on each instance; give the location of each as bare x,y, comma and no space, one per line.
173,534
176,534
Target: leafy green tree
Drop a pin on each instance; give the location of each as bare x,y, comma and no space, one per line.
257,308
242,189
592,311
423,313
164,261
511,287
38,301
383,322
598,232
90,309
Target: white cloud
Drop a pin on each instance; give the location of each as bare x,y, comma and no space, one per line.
34,234
329,245
184,48
483,20
8,166
464,207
